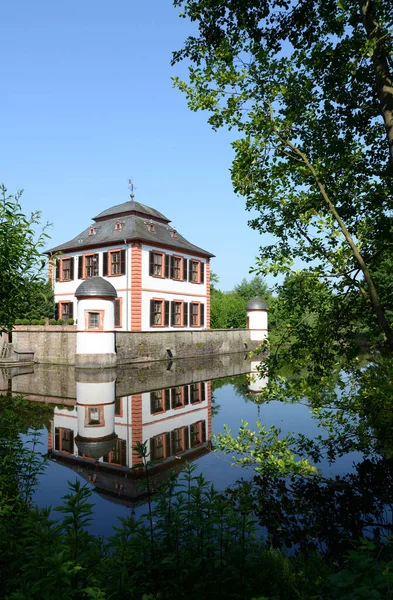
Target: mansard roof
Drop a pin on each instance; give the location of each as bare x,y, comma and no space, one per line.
135,221
131,208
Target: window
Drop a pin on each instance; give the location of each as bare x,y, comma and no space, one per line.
194,271
195,435
176,267
91,265
177,313
118,226
64,440
159,313
194,314
157,269
178,441
66,310
177,397
94,416
92,231
157,447
156,402
197,314
115,263
195,393
66,269
94,320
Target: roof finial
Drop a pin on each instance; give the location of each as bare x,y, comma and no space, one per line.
132,188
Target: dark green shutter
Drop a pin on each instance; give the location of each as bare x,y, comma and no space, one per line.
80,267
186,438
72,262
190,270
173,398
123,262
105,264
185,261
152,402
167,259
151,263
203,392
203,431
185,314
166,322
186,395
172,313
167,399
117,313
151,313
56,310
168,444
202,315
202,272
71,310
172,265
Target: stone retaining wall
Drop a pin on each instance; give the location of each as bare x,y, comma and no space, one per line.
56,344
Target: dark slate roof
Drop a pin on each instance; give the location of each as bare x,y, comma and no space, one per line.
96,448
131,207
95,286
256,304
134,228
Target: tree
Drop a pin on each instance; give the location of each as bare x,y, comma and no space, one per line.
251,289
21,258
308,87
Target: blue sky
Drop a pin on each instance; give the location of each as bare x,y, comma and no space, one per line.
87,102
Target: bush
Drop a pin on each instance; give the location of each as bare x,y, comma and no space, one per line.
52,322
42,322
35,321
70,321
60,322
18,322
25,322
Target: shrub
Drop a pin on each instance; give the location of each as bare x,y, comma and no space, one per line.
18,322
35,321
60,322
42,322
52,322
70,321
25,322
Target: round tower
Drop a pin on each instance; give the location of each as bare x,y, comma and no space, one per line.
256,310
95,339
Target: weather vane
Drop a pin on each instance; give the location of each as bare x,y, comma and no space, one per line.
132,189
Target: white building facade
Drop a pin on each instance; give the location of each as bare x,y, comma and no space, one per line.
162,280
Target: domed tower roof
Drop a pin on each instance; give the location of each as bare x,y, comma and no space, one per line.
95,448
256,304
95,286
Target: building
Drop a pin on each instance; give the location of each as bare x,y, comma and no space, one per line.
161,279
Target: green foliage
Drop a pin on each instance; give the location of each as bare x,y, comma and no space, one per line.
257,287
227,309
38,302
70,321
52,322
307,87
21,258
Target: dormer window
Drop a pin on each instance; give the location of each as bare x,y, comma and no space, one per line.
151,227
118,226
174,233
92,231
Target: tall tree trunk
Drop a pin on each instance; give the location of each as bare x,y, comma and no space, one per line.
383,76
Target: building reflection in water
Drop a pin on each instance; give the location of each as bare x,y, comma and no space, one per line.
96,437
257,380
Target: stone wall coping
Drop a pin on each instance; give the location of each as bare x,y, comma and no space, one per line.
46,328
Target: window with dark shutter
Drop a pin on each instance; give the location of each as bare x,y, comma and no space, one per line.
202,315
71,310
105,264
190,270
172,267
96,264
123,262
56,310
151,263
186,438
203,431
203,392
166,322
186,399
167,264
185,267
185,314
117,313
167,400
201,272
80,267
